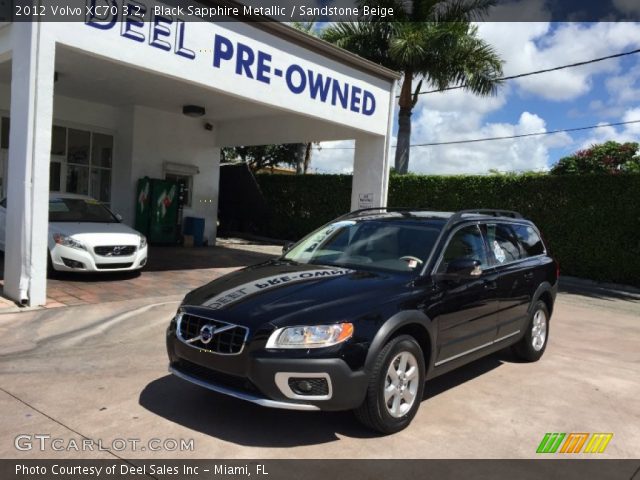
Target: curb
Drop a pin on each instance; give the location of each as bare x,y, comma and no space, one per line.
582,284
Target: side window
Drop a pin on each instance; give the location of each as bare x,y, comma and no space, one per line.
503,243
465,243
529,239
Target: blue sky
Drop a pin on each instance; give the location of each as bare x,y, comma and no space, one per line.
604,92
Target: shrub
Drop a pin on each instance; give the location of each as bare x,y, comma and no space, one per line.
590,222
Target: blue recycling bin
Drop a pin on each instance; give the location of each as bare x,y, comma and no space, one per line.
194,226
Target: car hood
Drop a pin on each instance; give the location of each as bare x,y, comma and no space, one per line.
285,293
95,234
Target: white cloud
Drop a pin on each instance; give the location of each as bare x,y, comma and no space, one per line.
528,47
432,126
333,157
457,115
625,88
622,133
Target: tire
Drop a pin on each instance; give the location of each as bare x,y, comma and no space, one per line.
395,414
537,328
51,272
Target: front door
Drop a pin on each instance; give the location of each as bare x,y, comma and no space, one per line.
465,314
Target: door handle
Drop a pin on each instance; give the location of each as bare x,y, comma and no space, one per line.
528,276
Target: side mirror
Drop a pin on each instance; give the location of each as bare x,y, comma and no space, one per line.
118,217
464,268
286,247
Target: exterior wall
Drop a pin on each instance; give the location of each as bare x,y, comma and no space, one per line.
73,112
160,137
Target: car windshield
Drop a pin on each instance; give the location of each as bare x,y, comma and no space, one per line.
384,244
79,210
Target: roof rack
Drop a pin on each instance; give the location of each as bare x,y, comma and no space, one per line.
388,209
492,212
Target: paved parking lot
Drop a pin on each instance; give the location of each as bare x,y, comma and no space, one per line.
99,372
171,271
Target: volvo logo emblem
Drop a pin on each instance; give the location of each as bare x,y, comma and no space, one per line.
115,251
206,333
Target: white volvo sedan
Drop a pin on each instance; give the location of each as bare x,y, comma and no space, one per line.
85,236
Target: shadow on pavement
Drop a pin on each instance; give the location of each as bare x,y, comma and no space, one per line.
466,373
242,422
181,258
247,424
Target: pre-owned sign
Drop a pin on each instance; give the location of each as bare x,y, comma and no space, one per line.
139,24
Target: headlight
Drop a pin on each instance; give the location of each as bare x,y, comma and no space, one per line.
143,241
68,241
316,336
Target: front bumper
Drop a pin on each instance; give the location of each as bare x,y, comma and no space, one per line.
68,259
256,376
265,402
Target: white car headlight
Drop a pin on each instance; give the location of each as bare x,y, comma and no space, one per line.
68,241
315,336
143,241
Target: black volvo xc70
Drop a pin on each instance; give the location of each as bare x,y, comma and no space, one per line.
361,312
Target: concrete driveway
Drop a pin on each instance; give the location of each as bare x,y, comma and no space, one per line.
98,372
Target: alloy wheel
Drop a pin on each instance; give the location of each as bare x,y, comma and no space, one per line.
401,384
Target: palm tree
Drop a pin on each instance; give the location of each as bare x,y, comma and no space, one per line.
430,40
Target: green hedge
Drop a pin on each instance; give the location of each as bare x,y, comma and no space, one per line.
591,222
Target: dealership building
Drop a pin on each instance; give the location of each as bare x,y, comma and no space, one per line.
92,106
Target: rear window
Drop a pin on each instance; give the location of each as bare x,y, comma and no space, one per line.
504,244
529,239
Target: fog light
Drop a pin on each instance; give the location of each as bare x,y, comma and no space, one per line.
304,386
309,386
72,263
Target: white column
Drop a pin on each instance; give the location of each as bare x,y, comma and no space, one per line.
25,267
370,173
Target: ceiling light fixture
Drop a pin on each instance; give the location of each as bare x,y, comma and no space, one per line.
193,110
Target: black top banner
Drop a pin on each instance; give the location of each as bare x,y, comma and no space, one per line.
312,10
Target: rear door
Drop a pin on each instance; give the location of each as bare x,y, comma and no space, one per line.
465,311
517,265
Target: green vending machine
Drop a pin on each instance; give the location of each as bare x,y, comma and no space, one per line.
159,210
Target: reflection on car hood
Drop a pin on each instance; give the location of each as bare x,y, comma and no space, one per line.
288,293
97,233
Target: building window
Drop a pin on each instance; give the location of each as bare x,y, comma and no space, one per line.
81,161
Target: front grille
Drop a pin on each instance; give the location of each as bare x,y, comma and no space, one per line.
115,250
212,376
112,266
219,337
